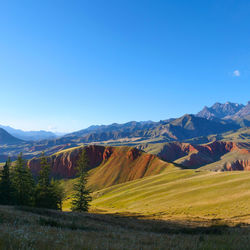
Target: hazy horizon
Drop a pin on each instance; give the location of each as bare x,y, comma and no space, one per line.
69,131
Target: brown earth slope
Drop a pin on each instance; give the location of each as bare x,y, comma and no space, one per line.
108,165
236,155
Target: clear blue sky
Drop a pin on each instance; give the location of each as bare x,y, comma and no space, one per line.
65,65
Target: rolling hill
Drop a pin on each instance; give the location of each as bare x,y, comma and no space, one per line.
188,128
181,195
29,135
127,180
221,155
226,117
181,129
6,138
241,135
108,165
231,161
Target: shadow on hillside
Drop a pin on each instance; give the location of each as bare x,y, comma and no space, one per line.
131,222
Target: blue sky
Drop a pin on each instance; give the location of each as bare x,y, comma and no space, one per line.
65,65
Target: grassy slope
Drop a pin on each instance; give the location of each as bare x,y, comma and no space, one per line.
29,228
242,135
181,194
229,157
67,150
114,172
121,168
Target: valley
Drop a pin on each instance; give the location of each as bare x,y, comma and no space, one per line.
186,177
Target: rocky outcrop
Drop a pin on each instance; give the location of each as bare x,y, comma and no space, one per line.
244,112
63,165
174,150
125,164
238,165
117,164
194,156
133,154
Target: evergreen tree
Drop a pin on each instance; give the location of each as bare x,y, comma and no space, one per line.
48,194
23,183
44,175
5,185
59,193
81,196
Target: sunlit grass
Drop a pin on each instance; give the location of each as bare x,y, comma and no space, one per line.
181,194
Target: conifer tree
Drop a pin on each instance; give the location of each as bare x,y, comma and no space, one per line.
5,185
23,183
48,193
59,193
44,175
81,196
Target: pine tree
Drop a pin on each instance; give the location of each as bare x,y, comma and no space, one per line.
81,196
48,193
59,193
44,175
23,183
5,185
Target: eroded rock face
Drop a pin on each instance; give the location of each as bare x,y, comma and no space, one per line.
133,154
175,150
199,155
113,165
132,160
238,165
64,164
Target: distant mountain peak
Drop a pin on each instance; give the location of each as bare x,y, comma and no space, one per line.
243,112
220,110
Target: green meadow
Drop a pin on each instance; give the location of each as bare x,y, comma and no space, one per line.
181,194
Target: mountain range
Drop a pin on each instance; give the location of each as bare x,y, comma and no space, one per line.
214,120
29,135
6,138
227,110
217,119
212,123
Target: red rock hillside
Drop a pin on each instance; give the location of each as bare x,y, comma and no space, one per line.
64,163
194,156
108,165
237,165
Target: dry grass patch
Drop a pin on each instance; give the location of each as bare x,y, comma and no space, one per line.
29,228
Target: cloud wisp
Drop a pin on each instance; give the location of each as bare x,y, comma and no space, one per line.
236,73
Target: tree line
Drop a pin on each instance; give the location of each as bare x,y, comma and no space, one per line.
19,187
